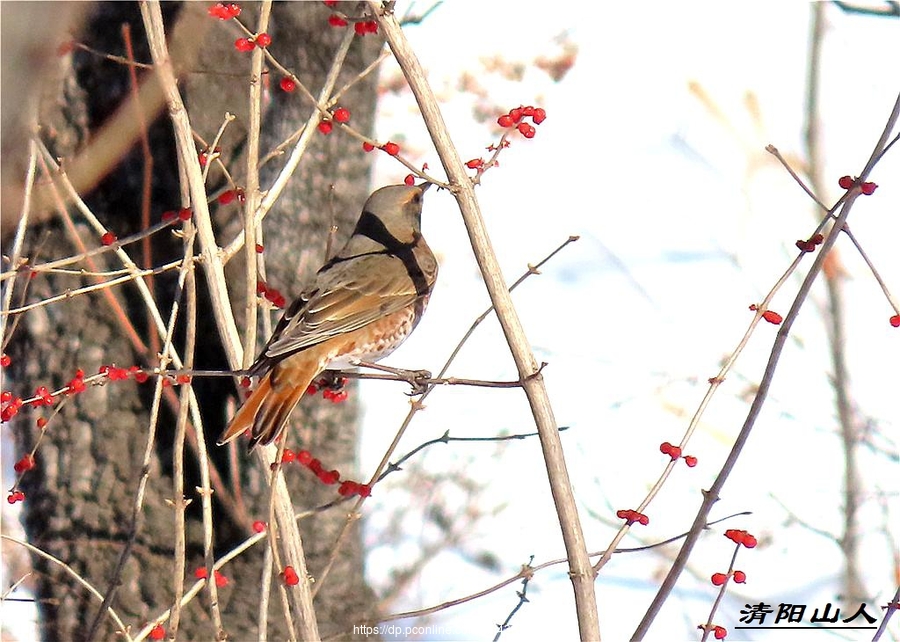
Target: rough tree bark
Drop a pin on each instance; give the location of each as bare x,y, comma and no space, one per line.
81,493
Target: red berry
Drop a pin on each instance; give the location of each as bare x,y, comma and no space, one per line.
304,457
749,541
226,197
261,287
263,40
690,460
348,488
290,576
816,239
368,147
221,580
364,490
219,11
342,114
5,360
169,215
475,163
244,45
339,396
409,180
391,148
526,130
259,248
183,378
288,456
108,238
234,9
505,121
362,28
895,321
516,114
336,21
720,632
5,396
845,182
643,519
805,246
259,526
868,188
287,84
718,579
185,214
325,127
200,573
740,577
25,464
538,116
158,632
772,317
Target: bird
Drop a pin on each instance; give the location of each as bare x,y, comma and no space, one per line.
363,303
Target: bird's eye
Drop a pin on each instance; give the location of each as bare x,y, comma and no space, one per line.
417,198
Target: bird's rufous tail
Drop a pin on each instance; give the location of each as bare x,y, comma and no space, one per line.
266,411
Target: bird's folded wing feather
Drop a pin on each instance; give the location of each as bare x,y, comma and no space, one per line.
350,295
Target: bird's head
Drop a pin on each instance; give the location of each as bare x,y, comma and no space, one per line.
399,208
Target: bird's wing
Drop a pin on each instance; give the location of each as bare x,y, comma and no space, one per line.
347,296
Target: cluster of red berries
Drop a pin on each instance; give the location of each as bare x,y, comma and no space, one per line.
11,406
868,188
718,579
340,115
245,45
809,245
332,389
769,315
675,452
631,516
741,537
515,116
184,214
114,373
347,488
719,632
224,11
271,294
201,574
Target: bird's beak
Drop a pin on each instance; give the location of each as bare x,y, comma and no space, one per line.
424,186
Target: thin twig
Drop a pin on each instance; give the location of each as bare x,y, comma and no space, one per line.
122,628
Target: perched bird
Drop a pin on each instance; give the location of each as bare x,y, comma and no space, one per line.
365,301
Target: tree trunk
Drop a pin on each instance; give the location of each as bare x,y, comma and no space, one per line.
81,494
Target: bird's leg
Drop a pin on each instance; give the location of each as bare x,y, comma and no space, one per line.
415,378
